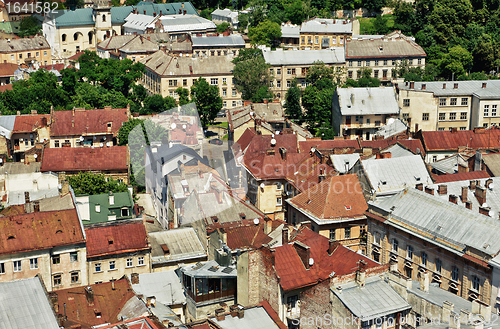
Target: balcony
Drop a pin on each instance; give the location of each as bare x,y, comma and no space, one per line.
358,125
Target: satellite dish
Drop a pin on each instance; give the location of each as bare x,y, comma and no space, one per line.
104,138
311,261
81,138
390,121
173,125
183,126
35,156
256,221
262,185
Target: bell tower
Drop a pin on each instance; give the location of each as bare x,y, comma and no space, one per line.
101,12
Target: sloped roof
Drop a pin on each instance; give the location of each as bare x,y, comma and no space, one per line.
139,44
85,159
7,122
24,44
87,122
447,140
391,129
278,57
165,286
305,146
395,45
29,123
138,21
121,200
449,165
344,162
478,88
294,275
233,40
439,179
414,145
325,25
256,317
116,238
181,23
115,42
204,270
39,230
492,162
367,100
8,69
25,305
336,198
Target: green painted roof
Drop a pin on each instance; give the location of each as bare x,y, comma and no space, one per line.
122,199
10,27
82,16
118,14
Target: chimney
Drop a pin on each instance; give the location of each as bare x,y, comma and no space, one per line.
113,284
484,84
429,190
488,182
134,278
420,186
484,210
26,197
165,249
453,198
233,310
89,294
360,277
455,86
268,225
161,13
332,246
481,195
36,206
185,11
424,282
444,85
283,153
219,314
462,168
284,236
304,253
386,155
442,189
412,85
468,204
154,14
472,185
463,196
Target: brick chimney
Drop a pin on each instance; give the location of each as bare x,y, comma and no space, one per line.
89,295
468,204
26,197
472,184
134,278
453,198
481,195
284,236
420,186
484,211
463,196
304,252
268,225
429,190
36,206
442,189
332,246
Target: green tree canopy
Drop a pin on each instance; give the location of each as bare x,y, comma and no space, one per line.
265,33
207,100
90,183
251,72
292,102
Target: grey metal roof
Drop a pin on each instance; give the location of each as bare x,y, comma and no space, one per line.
463,88
392,45
24,305
255,318
290,31
234,40
398,151
391,129
392,175
165,286
178,23
138,21
492,161
492,194
182,243
344,162
23,44
367,101
52,204
376,299
334,55
15,168
6,125
324,25
449,225
449,165
17,197
202,270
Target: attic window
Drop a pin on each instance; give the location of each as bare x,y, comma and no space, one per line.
486,245
11,237
109,124
97,314
110,241
242,216
58,231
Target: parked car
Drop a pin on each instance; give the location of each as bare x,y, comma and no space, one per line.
215,141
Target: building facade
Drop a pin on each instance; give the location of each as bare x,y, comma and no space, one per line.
32,50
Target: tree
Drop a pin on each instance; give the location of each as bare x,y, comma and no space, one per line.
207,100
126,128
90,183
292,102
223,27
456,62
265,33
380,25
296,12
250,72
374,6
183,96
29,26
318,105
69,80
157,104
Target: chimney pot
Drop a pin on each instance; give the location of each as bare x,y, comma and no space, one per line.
420,186
463,196
455,85
468,204
442,189
444,85
284,236
484,84
472,185
453,198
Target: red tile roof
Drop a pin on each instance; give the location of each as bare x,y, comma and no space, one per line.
113,158
116,238
8,69
334,198
137,323
87,122
57,67
244,140
6,87
292,272
76,56
29,123
438,179
107,302
39,230
305,146
451,141
411,144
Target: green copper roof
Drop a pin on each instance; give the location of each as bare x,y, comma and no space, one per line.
122,200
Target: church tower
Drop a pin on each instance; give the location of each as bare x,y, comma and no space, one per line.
102,18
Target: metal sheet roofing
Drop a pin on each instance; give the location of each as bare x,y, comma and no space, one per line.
290,31
234,40
210,269
391,175
182,243
481,88
492,162
165,286
394,44
324,25
278,57
85,158
439,179
178,23
445,223
121,200
397,150
391,129
449,165
7,125
376,299
450,141
255,318
138,21
344,162
24,305
367,101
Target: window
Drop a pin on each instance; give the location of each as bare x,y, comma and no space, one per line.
20,56
103,18
465,101
279,186
140,261
57,280
442,116
375,74
349,74
56,259
63,38
289,71
347,233
410,61
384,73
395,245
419,61
442,102
438,265
385,63
33,263
454,273
316,40
97,267
440,129
11,57
425,116
234,103
434,157
332,233
424,259
130,262
224,92
279,201
271,71
224,104
233,93
112,265
288,84
393,62
493,110
453,101
359,63
453,116
172,83
56,143
184,82
376,63
17,266
350,63
125,212
368,63
2,268
73,256
463,128
409,252
224,81
475,283
486,110
214,81
75,277
406,102
278,71
45,53
408,272
463,116
377,238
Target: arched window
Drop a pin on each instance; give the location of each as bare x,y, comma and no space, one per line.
103,17
64,38
90,37
75,36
